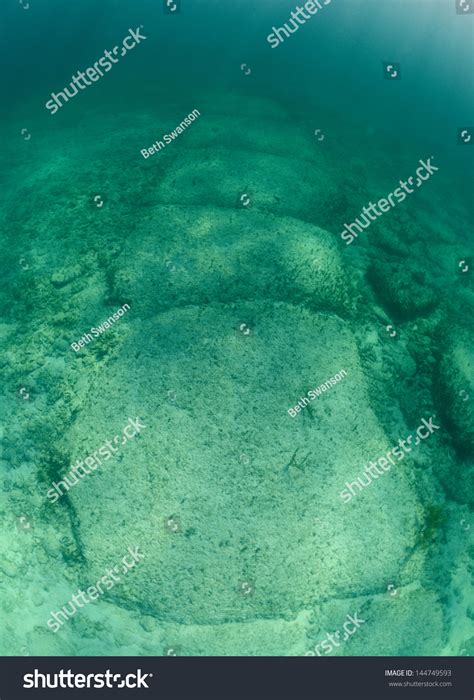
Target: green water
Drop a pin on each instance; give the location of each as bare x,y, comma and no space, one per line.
242,296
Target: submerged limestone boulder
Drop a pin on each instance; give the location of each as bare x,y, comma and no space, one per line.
456,374
280,185
223,488
454,393
402,288
199,255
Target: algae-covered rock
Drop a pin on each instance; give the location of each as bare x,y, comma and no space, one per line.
407,623
255,493
280,185
402,288
455,393
230,256
456,388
